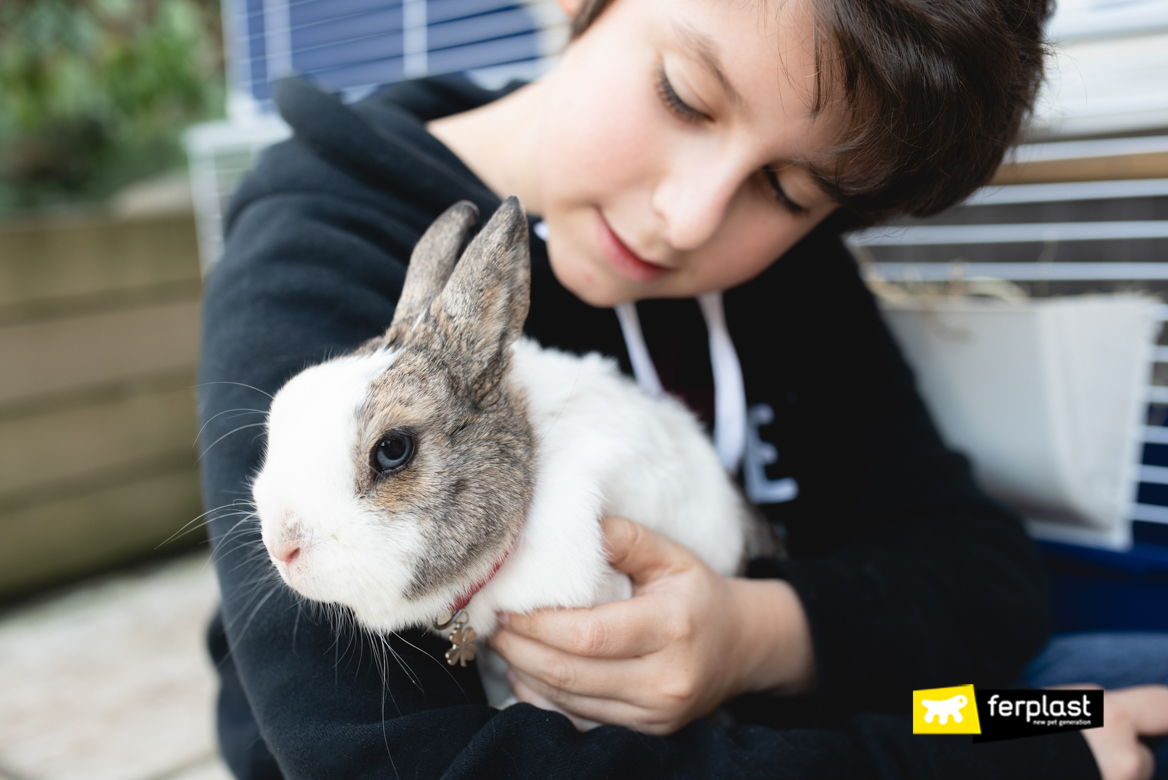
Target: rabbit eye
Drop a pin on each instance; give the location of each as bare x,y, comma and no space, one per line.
393,452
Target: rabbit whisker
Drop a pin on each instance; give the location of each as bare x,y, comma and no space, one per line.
249,597
240,384
254,612
224,436
560,413
225,411
400,661
443,666
201,521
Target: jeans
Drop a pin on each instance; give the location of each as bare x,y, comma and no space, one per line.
1113,660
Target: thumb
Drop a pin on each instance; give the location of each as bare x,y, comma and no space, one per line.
641,553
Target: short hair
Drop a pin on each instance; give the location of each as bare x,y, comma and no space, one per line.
934,91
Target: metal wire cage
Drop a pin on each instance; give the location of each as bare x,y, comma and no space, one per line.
1057,240
351,47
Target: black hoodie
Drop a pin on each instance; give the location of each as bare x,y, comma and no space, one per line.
910,577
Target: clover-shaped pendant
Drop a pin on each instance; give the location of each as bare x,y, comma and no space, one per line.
463,649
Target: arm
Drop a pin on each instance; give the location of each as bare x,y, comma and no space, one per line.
893,548
902,574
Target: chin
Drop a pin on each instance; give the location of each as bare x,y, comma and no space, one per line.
602,299
594,288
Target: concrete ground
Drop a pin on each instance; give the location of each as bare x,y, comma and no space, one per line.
109,679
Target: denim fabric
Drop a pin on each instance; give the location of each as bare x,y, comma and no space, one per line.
1113,660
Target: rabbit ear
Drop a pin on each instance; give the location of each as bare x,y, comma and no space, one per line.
484,305
430,265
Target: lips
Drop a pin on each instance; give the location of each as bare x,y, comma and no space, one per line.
622,259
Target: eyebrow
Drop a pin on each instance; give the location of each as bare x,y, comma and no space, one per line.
703,45
707,51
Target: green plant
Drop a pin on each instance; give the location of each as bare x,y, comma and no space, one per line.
95,93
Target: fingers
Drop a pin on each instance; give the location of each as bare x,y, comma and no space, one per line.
1146,761
524,693
586,711
1128,714
641,553
561,670
618,629
1147,706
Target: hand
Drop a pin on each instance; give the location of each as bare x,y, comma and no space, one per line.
686,641
1128,714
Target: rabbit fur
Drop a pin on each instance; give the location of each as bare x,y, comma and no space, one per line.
517,452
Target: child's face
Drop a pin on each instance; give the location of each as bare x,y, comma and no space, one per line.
660,123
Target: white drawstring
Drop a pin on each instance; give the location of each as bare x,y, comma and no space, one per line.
729,390
643,368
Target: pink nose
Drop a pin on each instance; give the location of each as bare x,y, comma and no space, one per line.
286,552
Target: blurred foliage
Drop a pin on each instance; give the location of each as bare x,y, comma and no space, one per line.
96,93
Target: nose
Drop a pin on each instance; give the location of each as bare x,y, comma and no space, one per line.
285,551
693,198
283,537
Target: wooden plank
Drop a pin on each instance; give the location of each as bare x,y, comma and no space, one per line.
67,258
80,535
47,450
52,356
1135,166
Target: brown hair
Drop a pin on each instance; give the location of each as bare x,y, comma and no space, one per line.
935,91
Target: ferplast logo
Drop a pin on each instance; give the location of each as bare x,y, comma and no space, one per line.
946,711
1027,713
991,715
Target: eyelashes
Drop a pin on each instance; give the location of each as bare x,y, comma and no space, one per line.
772,180
689,114
672,101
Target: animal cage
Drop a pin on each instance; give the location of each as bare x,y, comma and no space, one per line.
1056,240
355,46
1069,239
350,47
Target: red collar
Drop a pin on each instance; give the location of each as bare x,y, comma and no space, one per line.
462,601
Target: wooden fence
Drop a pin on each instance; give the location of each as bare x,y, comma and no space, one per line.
99,327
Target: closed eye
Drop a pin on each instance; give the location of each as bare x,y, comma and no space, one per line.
772,180
688,113
682,110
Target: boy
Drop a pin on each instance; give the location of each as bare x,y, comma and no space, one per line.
679,149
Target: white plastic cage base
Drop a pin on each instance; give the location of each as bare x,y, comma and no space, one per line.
1118,539
1096,250
1044,394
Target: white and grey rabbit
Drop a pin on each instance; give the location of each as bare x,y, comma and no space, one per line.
453,464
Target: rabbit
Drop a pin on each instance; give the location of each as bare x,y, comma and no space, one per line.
453,464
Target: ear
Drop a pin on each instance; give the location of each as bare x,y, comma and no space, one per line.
484,305
430,266
570,7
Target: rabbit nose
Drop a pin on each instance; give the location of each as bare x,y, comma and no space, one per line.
286,551
287,541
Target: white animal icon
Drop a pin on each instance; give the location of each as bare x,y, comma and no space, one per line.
945,708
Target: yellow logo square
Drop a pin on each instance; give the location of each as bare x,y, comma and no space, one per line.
945,711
